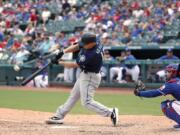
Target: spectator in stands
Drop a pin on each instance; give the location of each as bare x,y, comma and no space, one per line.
114,70
115,39
41,80
56,40
169,55
64,40
17,31
108,19
157,38
22,55
131,69
68,74
45,15
33,17
105,39
126,39
160,75
66,6
107,58
45,45
3,54
136,31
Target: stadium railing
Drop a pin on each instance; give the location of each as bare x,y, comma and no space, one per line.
9,75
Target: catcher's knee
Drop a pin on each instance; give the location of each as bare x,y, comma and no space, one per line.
164,106
169,111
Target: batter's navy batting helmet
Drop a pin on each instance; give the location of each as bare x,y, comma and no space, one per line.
172,68
87,38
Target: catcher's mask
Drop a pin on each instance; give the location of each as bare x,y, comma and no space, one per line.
86,39
173,68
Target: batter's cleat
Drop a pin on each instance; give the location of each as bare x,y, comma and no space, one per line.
114,116
54,120
176,127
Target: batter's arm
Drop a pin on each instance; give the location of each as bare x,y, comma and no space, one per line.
72,48
69,64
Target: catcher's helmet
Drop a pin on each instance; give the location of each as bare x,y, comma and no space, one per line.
87,38
173,68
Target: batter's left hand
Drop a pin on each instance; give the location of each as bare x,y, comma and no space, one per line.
58,55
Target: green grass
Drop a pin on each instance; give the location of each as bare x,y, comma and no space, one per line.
49,101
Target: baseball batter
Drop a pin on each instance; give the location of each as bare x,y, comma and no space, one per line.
90,61
171,108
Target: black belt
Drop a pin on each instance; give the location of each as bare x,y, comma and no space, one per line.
85,71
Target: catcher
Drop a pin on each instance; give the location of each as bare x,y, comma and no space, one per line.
170,108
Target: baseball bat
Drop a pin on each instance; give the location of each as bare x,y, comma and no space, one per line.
32,76
17,67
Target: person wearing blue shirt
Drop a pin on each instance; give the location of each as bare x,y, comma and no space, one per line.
104,70
169,55
170,108
115,69
1,36
89,60
131,69
160,75
41,80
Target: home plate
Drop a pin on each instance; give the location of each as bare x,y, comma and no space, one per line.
63,127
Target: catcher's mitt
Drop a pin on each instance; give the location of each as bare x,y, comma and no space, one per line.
140,86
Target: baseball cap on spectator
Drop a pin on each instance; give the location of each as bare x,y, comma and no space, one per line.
127,49
169,50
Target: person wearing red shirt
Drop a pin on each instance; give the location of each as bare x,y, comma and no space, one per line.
33,17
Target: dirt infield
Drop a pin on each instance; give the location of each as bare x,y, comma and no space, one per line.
19,122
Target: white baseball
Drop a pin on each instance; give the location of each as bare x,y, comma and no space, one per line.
16,68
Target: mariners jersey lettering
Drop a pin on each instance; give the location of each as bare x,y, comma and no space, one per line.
90,60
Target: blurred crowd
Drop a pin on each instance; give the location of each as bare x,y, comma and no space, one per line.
23,30
24,36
